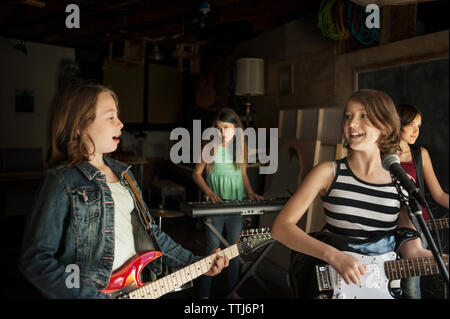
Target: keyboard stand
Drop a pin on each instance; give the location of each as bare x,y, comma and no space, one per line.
251,271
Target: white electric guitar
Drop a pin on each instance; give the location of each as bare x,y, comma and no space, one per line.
312,278
375,283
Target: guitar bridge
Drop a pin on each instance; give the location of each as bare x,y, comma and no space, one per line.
323,277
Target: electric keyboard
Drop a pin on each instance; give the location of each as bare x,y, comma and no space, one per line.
233,207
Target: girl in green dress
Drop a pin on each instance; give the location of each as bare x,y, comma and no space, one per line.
226,179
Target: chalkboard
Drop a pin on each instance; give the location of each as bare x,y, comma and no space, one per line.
423,84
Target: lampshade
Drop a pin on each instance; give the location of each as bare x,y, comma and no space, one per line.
249,77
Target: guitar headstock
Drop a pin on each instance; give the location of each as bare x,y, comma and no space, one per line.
252,239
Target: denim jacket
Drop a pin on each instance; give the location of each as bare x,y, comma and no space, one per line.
72,223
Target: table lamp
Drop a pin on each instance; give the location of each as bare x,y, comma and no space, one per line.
249,82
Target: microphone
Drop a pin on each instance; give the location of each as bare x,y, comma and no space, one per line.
391,163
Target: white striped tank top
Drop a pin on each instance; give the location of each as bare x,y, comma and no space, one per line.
356,208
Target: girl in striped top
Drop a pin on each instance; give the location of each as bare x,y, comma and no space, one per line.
359,196
356,208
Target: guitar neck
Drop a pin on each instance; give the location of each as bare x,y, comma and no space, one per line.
405,268
441,223
178,278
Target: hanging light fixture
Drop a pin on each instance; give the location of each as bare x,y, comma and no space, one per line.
155,54
204,9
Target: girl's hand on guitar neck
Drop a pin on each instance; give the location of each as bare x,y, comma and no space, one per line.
219,263
348,267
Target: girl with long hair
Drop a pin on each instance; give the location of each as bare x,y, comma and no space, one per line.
85,216
226,179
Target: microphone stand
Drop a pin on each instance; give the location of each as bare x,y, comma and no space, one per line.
416,210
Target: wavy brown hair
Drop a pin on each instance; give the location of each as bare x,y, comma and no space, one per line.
73,110
383,115
407,113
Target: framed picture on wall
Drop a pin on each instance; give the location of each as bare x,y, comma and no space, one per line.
287,79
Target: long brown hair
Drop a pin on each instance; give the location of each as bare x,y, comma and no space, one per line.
73,110
228,115
382,114
407,113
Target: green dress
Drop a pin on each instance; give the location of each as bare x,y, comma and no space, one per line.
225,180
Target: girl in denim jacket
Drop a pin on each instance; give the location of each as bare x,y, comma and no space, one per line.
85,216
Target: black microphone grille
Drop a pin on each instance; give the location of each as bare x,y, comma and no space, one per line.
388,160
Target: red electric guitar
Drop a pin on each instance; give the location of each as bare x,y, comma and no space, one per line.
125,282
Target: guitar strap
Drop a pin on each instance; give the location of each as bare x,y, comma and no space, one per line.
417,159
145,218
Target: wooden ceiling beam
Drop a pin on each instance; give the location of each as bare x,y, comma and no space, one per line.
256,11
226,15
115,6
151,19
167,31
94,25
143,14
34,3
147,14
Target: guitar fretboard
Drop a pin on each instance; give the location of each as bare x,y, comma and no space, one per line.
441,223
178,278
405,268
